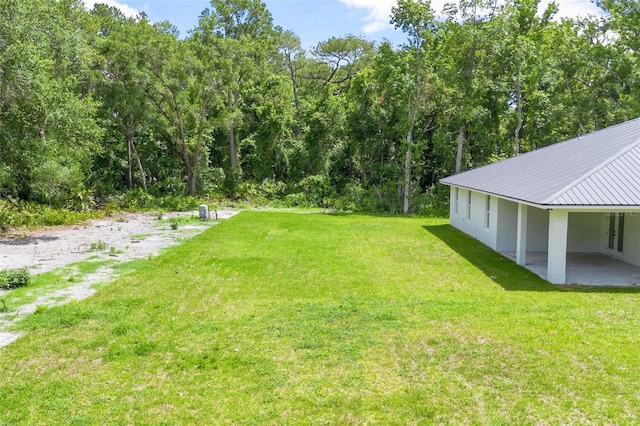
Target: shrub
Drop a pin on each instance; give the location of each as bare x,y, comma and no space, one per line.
136,198
317,190
81,200
178,203
14,278
211,180
351,199
296,200
343,204
273,189
433,202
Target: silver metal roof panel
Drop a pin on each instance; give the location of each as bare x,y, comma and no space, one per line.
598,169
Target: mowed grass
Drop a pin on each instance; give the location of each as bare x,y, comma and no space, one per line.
277,318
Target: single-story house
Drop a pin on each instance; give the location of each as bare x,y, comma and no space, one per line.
581,196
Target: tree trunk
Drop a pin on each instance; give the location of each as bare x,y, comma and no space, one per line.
127,132
296,100
192,179
407,173
516,145
233,148
460,148
189,166
131,149
143,178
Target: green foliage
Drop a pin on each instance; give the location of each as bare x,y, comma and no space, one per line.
312,191
178,203
96,106
432,203
272,189
14,278
40,309
297,199
81,199
138,199
98,246
21,214
317,190
212,180
48,130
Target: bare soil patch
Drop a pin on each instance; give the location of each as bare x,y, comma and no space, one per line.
122,237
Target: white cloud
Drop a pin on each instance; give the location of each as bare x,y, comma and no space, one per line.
128,11
379,11
571,8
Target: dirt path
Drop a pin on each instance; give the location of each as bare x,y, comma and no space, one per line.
121,238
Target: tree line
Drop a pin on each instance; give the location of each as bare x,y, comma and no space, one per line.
94,103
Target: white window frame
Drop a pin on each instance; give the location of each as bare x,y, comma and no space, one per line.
457,201
469,205
487,214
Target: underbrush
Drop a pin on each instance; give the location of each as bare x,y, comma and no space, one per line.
139,200
21,214
317,191
16,214
311,192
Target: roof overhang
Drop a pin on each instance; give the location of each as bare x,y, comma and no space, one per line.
573,208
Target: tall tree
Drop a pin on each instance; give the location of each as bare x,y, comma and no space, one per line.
335,63
48,129
180,86
416,19
343,57
293,61
123,99
242,33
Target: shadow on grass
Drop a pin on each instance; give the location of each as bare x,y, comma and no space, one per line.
505,272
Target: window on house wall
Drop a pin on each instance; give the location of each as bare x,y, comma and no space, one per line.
469,205
487,214
457,199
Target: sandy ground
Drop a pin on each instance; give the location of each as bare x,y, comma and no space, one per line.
122,237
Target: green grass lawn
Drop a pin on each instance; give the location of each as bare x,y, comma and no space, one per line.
277,318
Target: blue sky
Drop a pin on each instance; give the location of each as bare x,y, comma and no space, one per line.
313,20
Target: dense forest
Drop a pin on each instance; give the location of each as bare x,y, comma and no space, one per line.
94,104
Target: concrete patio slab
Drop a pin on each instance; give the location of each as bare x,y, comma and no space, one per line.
587,269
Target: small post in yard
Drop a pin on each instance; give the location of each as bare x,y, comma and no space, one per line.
204,212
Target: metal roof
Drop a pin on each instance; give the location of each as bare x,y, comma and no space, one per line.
598,169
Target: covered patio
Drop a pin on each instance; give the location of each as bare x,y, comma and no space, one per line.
586,269
570,211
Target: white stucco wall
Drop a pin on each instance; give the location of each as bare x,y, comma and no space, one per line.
475,223
537,230
584,234
508,222
587,231
537,227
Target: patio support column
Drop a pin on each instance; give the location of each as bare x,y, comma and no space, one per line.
521,245
557,253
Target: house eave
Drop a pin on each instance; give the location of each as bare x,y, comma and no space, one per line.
568,207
